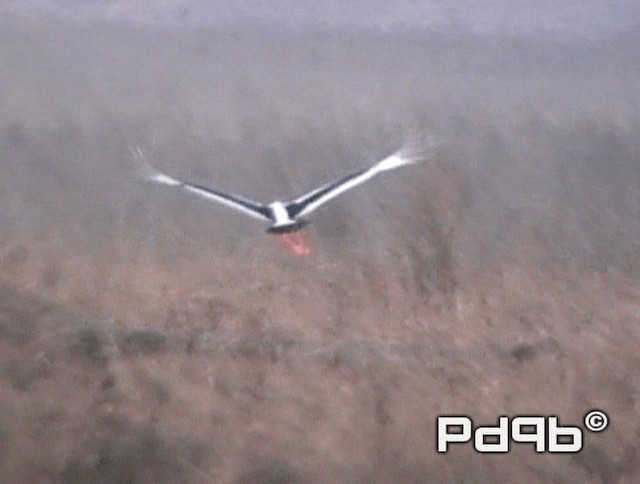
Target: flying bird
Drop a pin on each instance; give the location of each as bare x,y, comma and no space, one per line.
288,216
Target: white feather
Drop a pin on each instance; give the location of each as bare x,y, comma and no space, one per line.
164,179
394,161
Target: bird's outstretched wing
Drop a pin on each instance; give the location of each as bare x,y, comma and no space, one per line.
309,202
249,207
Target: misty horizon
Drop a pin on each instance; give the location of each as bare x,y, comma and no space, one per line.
591,19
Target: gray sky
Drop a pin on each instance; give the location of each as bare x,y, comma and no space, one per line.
581,17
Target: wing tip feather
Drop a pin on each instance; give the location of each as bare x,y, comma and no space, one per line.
396,160
163,179
420,147
149,173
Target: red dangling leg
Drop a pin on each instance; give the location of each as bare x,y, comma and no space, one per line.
295,243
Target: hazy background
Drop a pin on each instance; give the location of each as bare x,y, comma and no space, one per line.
149,337
587,18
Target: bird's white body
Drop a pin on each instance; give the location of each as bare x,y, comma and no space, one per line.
280,214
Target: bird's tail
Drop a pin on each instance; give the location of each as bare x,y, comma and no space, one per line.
146,172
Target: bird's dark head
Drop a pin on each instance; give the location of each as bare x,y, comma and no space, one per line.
287,228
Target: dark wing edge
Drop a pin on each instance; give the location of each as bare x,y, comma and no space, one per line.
237,202
297,206
249,207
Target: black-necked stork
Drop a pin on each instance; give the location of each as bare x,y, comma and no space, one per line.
287,217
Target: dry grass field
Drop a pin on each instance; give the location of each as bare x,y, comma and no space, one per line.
148,337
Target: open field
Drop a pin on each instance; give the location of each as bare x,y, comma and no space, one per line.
148,337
